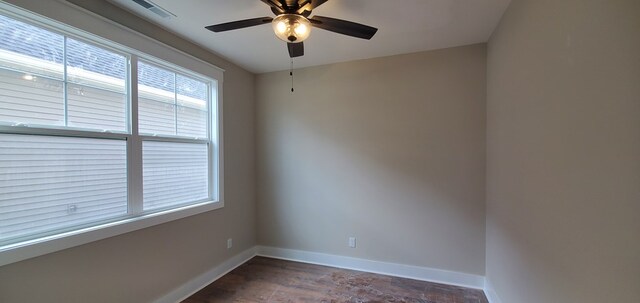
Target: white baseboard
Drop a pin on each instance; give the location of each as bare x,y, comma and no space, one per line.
491,294
378,267
385,268
199,282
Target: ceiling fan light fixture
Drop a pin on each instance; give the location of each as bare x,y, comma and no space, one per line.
291,28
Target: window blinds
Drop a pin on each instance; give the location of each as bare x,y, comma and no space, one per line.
50,183
174,173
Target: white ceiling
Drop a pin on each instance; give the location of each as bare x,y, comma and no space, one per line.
404,26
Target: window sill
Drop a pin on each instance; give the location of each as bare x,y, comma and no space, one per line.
33,248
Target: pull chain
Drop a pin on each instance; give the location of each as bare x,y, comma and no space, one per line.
291,74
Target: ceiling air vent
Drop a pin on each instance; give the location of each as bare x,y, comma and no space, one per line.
154,8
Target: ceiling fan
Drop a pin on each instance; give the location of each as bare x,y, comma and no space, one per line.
293,25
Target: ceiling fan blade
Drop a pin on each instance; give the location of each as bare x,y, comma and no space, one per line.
274,4
238,24
344,27
295,49
308,5
277,11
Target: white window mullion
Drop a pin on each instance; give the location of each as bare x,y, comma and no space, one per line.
175,102
64,82
215,141
134,145
210,147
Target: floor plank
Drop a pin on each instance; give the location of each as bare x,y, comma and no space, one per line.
269,280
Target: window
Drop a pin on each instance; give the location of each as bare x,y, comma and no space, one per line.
172,105
94,134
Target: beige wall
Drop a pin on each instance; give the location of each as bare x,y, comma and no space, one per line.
563,194
143,265
390,150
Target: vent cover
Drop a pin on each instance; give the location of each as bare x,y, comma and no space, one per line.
154,8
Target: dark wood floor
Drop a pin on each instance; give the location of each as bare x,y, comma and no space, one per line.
271,280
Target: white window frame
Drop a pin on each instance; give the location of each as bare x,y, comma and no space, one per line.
114,37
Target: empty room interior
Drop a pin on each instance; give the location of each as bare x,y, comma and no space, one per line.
435,151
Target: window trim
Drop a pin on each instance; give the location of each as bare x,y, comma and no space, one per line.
112,36
28,249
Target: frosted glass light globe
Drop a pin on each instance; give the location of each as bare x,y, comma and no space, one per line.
291,28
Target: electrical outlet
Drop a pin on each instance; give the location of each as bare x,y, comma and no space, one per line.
352,242
229,243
